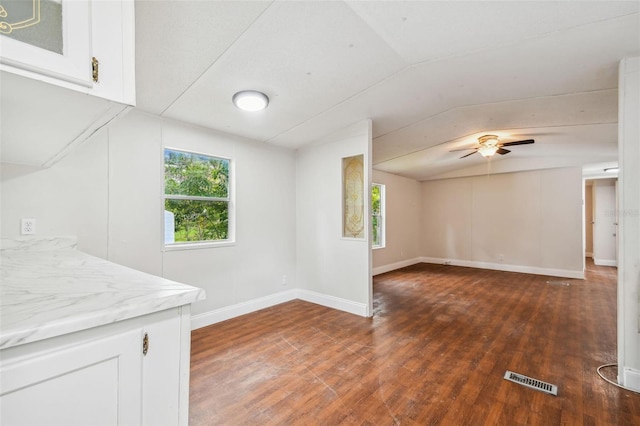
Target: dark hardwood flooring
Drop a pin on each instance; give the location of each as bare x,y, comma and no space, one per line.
435,352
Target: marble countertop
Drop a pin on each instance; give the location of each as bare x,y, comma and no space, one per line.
48,288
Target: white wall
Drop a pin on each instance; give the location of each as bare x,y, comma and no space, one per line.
67,199
135,192
109,194
604,230
525,222
402,223
264,187
334,269
629,224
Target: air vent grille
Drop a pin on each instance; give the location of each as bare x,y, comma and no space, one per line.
561,283
531,383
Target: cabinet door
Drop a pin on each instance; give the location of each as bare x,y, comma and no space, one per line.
161,371
95,383
48,37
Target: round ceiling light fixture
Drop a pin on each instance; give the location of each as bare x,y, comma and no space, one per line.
250,100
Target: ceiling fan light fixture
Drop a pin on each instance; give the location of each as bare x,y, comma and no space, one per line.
488,145
487,150
488,140
250,100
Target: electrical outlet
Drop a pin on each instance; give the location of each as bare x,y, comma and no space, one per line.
284,280
28,226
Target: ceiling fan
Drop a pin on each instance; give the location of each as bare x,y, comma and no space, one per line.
489,145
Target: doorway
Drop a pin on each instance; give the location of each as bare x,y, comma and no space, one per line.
601,233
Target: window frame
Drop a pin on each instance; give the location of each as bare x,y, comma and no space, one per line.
381,217
229,199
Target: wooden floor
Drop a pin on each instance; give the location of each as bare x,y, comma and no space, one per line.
435,352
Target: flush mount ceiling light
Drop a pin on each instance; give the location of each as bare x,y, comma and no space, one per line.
250,100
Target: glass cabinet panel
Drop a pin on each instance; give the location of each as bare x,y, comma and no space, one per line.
38,23
49,37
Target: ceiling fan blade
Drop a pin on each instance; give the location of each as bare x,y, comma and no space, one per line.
462,149
524,142
471,153
502,151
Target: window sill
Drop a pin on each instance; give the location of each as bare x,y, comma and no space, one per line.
196,246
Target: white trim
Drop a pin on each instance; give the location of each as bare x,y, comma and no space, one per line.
393,266
631,379
193,245
588,254
338,303
605,262
228,312
566,273
243,308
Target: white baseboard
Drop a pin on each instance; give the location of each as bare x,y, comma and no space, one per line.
228,312
393,266
604,262
588,254
361,309
565,273
333,302
631,378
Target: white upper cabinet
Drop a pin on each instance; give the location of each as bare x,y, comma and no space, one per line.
52,54
84,45
48,37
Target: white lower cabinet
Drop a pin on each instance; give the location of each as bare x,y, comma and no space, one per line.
101,376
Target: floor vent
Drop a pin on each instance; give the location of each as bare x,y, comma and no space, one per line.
563,283
531,383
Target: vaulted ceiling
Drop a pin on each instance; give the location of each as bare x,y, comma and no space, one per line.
433,76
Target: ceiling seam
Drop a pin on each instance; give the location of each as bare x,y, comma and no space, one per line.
217,59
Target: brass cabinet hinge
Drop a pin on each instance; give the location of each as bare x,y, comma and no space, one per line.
145,344
95,69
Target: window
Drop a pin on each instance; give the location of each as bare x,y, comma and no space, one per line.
196,198
377,213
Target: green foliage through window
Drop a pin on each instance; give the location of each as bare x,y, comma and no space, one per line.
196,199
377,207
